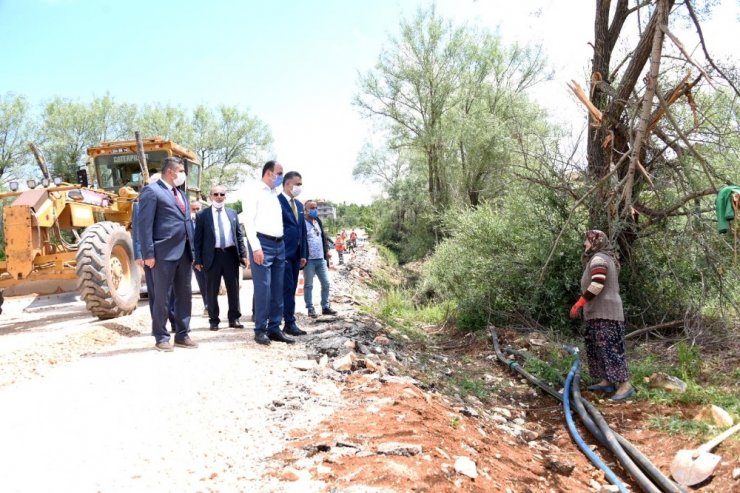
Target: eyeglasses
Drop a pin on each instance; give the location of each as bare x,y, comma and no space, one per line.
216,194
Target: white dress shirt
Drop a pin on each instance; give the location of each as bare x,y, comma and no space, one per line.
262,214
227,227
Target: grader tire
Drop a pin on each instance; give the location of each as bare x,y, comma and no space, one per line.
108,277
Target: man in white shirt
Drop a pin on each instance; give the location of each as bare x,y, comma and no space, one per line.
263,221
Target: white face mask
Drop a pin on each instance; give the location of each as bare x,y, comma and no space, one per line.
297,190
217,205
180,179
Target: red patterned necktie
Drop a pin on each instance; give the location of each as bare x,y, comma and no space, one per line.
179,200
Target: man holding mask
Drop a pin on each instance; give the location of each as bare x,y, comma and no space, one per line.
318,258
296,249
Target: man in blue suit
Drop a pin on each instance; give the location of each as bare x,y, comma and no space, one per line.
219,249
296,247
166,239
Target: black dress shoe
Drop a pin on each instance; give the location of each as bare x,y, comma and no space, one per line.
328,311
293,330
262,338
236,325
214,327
280,337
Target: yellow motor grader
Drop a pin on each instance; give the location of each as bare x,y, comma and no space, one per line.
61,237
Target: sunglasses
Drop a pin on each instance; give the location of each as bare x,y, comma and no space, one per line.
216,194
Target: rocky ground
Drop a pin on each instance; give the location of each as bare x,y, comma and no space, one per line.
89,406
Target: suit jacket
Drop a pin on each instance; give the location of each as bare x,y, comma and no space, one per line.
294,231
164,229
205,236
135,231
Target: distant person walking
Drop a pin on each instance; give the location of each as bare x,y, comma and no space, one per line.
219,249
263,221
604,317
166,239
296,250
318,258
339,247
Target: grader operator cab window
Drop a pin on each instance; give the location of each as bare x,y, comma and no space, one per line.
118,170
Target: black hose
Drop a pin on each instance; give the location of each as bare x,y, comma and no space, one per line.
582,405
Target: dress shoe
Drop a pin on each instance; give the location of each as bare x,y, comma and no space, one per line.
294,330
214,327
261,338
624,395
328,311
312,314
186,343
280,337
236,325
163,346
609,388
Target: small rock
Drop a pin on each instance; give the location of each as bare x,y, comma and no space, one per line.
736,473
561,467
289,475
395,448
381,340
324,361
344,363
304,364
610,488
469,411
519,421
503,412
497,418
350,344
595,485
442,453
464,465
716,415
323,470
660,380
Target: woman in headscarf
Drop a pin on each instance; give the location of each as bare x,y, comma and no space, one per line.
604,317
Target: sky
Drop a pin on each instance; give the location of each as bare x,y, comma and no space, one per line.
293,64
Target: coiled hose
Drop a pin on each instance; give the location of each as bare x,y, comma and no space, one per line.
613,479
581,405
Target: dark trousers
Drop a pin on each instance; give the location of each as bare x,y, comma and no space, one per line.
268,286
150,297
174,276
225,265
290,283
200,278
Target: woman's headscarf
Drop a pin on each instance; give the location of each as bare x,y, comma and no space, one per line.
599,244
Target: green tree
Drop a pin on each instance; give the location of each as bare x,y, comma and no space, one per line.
15,130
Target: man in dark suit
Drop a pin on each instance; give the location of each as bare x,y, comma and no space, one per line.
166,239
296,248
219,249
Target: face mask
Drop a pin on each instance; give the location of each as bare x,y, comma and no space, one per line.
218,205
192,216
297,190
278,181
180,179
314,213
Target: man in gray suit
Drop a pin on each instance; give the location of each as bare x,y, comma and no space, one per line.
166,238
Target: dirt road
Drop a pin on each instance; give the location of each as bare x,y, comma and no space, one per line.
87,405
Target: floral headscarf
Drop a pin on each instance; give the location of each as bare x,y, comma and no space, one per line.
599,244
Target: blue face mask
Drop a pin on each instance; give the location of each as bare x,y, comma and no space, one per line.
314,213
278,181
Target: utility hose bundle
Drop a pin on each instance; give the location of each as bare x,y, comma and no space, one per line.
644,472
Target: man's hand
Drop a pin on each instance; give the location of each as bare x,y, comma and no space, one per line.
198,267
245,262
259,257
149,262
139,262
303,263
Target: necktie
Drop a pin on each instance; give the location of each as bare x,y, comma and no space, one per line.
179,200
295,211
221,236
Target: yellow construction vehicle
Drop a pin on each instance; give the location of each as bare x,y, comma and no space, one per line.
61,236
